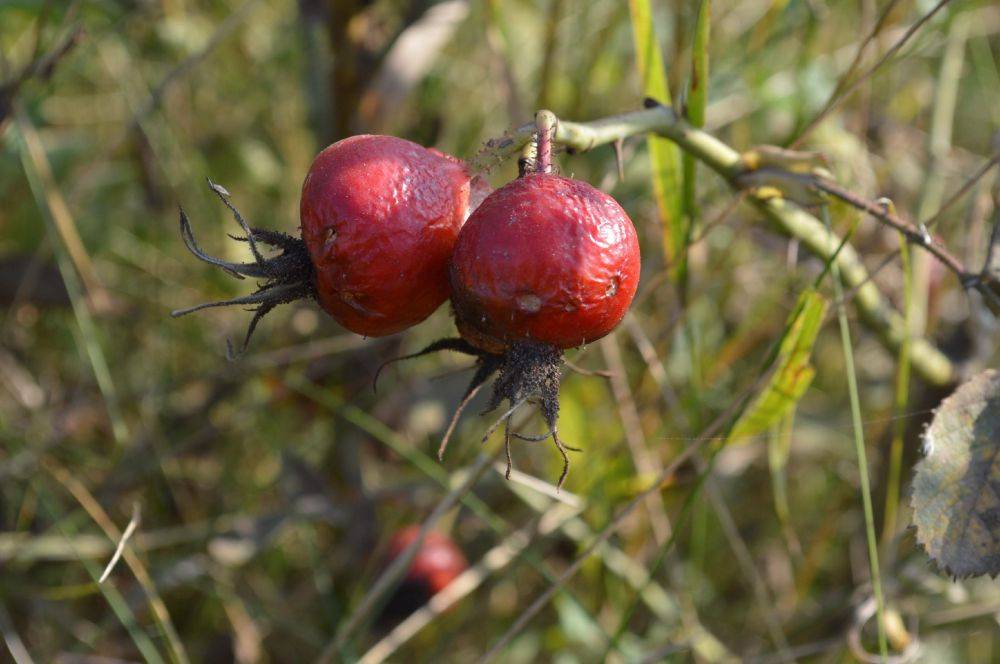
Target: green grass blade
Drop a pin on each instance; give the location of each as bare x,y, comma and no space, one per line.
664,157
87,334
697,101
859,444
902,399
119,606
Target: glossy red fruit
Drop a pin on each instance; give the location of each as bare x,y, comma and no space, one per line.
544,259
380,216
437,562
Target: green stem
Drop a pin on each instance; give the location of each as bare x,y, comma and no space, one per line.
859,446
902,398
545,124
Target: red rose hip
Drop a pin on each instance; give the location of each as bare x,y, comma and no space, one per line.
436,563
545,263
544,259
379,218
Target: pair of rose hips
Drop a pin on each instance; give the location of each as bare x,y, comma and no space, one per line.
390,230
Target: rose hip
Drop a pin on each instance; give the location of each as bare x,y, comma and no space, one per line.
544,259
544,264
379,218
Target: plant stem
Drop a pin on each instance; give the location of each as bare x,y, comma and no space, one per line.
913,234
545,124
875,311
859,446
902,398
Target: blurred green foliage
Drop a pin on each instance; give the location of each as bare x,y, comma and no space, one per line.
265,510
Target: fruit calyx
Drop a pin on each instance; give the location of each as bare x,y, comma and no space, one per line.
285,277
526,372
529,372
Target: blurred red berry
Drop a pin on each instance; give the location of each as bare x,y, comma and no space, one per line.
436,564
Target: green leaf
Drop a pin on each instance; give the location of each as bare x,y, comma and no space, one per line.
792,373
956,490
664,157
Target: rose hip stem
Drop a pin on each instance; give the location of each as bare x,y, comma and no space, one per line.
545,123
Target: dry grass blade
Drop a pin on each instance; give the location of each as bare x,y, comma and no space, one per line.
35,164
62,218
656,598
15,646
669,607
532,610
656,369
93,508
129,530
541,487
646,464
762,595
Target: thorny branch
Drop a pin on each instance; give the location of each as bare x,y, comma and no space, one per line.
918,235
786,176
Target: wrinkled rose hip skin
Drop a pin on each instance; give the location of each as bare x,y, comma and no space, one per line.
545,259
545,263
379,218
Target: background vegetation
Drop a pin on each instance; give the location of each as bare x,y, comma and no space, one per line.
267,488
